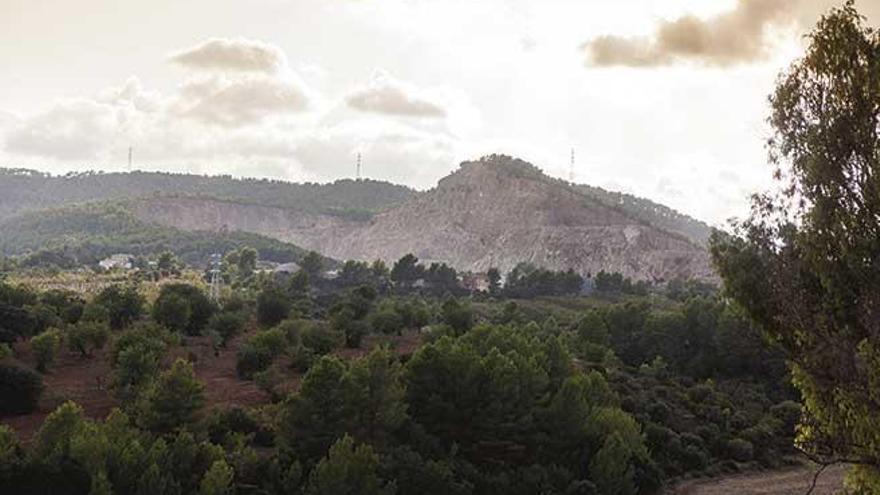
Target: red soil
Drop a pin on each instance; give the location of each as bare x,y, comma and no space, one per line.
87,380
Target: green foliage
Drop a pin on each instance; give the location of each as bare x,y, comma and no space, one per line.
407,270
312,264
45,347
321,339
227,324
183,308
348,470
136,357
124,305
364,399
527,280
459,316
217,480
803,265
273,306
86,337
260,350
20,388
173,400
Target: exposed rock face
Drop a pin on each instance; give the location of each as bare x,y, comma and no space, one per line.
495,212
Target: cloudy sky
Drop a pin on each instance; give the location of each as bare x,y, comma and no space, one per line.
661,98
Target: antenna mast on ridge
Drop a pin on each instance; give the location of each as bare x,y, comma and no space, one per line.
571,168
359,166
129,159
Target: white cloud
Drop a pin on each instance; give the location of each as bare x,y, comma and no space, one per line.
76,129
232,54
384,94
241,101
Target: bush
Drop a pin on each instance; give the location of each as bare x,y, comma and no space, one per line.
45,348
273,306
386,321
258,353
86,337
321,339
124,305
173,399
740,450
228,324
20,389
183,308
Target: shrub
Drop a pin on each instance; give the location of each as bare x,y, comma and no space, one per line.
20,388
386,321
45,348
273,306
258,353
173,399
252,359
87,337
5,351
124,305
183,308
321,339
228,324
740,450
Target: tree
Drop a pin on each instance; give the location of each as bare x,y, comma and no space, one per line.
45,348
124,305
86,337
20,388
217,480
804,264
347,470
174,399
273,306
312,263
247,261
183,308
494,277
407,270
173,312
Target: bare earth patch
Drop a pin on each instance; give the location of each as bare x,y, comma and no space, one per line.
794,481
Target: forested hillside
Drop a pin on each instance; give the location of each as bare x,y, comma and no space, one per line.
653,213
83,235
29,190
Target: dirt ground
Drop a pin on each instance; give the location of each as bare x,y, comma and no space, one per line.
87,380
795,481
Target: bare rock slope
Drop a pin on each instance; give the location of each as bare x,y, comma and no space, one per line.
495,212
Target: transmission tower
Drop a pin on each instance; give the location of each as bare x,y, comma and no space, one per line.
571,168
216,261
129,158
359,166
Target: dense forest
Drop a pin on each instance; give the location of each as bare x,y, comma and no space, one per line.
380,380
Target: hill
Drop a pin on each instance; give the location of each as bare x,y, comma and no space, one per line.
78,235
23,190
494,212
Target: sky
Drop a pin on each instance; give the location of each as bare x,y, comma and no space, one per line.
666,99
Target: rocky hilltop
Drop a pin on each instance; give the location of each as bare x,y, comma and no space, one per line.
494,212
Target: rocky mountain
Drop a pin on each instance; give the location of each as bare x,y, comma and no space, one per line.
494,212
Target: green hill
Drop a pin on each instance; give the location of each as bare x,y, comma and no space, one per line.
83,235
23,190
